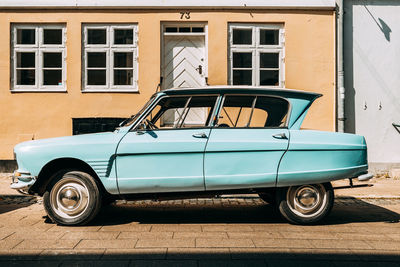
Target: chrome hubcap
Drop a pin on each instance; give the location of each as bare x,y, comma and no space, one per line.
307,200
69,197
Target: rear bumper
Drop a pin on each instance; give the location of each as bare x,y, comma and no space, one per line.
22,181
365,177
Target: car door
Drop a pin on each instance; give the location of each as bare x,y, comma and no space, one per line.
164,153
247,144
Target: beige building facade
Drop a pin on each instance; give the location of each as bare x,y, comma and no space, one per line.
61,63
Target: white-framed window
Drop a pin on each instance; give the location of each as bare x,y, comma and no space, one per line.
110,61
38,57
256,54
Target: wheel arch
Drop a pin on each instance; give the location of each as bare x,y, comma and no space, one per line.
52,167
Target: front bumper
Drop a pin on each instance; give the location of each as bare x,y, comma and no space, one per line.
22,181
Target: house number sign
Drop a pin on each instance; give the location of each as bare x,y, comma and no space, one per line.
185,14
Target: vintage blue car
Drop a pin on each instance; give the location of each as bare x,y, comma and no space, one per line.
196,142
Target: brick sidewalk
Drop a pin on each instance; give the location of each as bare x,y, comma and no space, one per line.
207,232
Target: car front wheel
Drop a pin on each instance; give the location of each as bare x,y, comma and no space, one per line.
72,198
306,204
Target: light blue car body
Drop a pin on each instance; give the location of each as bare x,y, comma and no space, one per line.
160,161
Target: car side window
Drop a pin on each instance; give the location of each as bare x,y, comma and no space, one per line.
176,112
252,112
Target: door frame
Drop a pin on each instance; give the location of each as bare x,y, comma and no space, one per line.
163,25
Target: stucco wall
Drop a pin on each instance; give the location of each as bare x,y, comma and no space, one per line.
309,65
372,76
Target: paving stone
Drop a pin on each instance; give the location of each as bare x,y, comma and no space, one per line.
58,228
308,235
200,235
47,244
223,242
259,253
126,228
198,253
227,228
67,254
254,235
176,228
323,254
384,245
143,235
363,264
91,235
166,243
137,253
101,263
380,255
13,255
163,263
361,236
35,235
341,244
233,263
116,243
30,263
282,243
297,263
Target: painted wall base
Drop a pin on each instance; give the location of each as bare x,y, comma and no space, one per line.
8,166
380,168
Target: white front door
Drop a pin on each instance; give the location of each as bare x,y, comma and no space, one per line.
184,62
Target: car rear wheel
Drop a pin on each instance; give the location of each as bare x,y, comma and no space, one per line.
72,198
306,204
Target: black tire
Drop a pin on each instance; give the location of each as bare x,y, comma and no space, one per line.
72,198
305,204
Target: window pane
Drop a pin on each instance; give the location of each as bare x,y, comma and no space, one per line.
269,60
96,59
26,77
269,37
198,110
25,60
184,29
94,125
97,36
242,77
259,118
197,29
242,60
52,60
123,77
276,109
172,110
269,77
123,59
171,29
52,36
241,36
96,77
25,36
123,36
236,111
52,77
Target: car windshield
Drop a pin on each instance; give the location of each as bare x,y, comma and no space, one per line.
131,119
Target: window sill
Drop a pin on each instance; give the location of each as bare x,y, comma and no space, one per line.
110,90
62,90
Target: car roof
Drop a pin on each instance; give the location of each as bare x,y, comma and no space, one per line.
234,89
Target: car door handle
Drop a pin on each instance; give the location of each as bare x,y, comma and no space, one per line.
199,135
280,136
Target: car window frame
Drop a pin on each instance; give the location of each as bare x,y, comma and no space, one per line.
157,100
221,105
